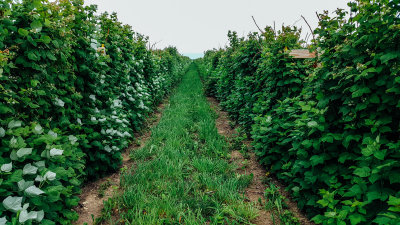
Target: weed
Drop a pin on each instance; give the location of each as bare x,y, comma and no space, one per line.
276,204
245,164
103,187
245,151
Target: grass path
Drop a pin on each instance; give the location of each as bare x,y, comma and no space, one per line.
182,175
94,193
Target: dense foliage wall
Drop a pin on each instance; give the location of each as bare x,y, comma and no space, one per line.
68,106
327,127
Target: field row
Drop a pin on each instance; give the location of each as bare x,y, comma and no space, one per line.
74,87
327,127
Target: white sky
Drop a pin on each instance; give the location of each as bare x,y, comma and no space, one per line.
194,26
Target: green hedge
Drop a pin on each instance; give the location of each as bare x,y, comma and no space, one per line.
67,110
328,128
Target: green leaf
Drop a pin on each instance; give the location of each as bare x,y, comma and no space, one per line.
394,201
360,92
4,109
32,56
34,83
23,32
33,106
369,150
344,157
13,203
47,222
23,185
356,218
33,191
2,132
46,39
380,154
14,124
353,191
316,159
383,220
36,25
312,124
6,167
29,169
330,214
56,152
318,219
24,151
348,138
33,42
47,22
394,209
327,138
389,56
51,56
374,99
55,43
41,92
16,176
38,129
17,142
394,177
373,178
72,202
37,4
373,195
362,172
369,70
54,192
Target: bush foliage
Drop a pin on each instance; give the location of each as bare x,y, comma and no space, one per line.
327,127
68,107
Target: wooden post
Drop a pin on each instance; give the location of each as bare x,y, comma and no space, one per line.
302,54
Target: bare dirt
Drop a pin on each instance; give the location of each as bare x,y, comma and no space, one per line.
255,190
94,193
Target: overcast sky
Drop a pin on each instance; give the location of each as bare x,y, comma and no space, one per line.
195,26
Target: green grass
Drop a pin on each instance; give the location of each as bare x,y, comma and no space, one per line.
276,204
182,175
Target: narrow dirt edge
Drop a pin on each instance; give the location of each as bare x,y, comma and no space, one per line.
90,202
256,189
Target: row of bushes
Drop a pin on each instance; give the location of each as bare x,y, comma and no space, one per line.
327,127
68,106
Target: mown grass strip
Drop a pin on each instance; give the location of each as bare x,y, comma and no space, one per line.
182,175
